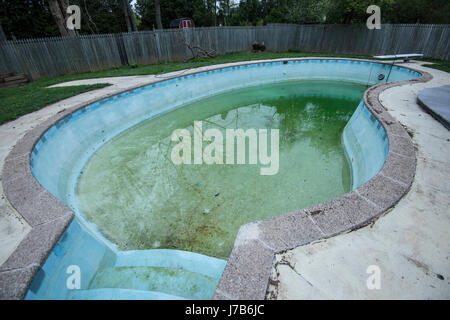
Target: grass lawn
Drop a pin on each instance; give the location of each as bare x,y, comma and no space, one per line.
16,102
437,64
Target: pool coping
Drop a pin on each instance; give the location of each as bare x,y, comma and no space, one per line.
247,273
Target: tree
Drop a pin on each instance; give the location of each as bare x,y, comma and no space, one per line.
201,11
59,12
130,20
354,11
2,34
102,16
158,15
419,11
250,12
225,10
295,11
27,19
44,18
132,16
58,16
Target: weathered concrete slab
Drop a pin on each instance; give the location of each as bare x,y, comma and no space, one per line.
437,102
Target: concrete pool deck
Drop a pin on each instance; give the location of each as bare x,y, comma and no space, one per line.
15,228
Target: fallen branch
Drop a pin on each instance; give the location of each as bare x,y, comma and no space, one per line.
196,50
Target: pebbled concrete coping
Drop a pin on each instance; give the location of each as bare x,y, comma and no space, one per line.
247,273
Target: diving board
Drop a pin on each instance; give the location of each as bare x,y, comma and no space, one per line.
406,57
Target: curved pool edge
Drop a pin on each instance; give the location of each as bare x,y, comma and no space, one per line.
247,272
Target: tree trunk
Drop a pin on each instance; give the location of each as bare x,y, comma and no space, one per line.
59,18
158,15
131,16
63,5
2,34
127,15
215,13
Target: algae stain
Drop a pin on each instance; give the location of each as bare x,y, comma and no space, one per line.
140,200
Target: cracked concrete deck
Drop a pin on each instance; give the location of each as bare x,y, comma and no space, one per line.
410,244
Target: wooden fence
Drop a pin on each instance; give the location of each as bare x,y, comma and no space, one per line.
56,56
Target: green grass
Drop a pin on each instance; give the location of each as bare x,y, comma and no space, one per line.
16,102
437,64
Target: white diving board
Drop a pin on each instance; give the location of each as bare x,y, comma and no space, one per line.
405,56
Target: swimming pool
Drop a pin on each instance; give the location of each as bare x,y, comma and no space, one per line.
63,152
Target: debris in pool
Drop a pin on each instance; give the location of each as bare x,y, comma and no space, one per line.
217,194
206,211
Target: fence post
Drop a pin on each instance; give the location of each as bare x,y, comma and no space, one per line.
158,45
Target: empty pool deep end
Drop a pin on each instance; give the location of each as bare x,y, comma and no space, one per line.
66,155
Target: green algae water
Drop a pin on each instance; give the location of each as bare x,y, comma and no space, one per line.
139,199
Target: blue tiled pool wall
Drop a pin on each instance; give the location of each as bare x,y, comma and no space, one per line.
366,145
61,153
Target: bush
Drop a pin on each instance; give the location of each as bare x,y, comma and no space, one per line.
294,50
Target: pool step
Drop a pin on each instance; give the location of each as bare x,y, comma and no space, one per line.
175,259
120,294
157,274
169,281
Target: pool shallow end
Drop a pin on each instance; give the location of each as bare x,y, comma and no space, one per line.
95,261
